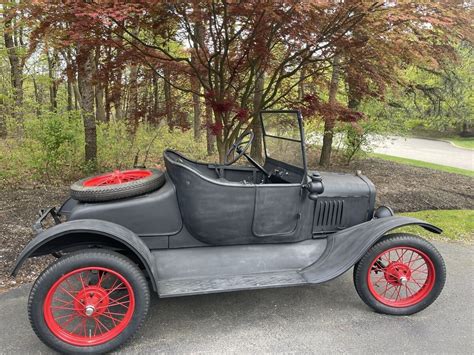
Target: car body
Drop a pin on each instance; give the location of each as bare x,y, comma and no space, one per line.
215,228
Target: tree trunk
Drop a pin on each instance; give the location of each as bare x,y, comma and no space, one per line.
70,94
133,97
210,138
118,109
107,106
256,151
71,78
195,84
117,96
156,98
196,87
3,123
99,91
53,85
16,68
99,102
77,95
330,120
85,67
353,96
168,103
37,97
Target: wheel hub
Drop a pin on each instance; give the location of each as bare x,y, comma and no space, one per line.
89,310
92,301
397,273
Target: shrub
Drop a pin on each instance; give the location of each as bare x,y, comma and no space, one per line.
53,143
51,148
119,149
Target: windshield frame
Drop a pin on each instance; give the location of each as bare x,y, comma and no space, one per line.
301,140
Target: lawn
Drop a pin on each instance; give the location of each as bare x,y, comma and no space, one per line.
423,164
457,225
463,142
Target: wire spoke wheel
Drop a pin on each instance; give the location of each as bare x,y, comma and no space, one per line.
117,185
117,177
89,306
401,275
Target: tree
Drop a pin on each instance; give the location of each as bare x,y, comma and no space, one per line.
152,59
13,38
70,31
85,70
384,42
330,119
439,99
227,58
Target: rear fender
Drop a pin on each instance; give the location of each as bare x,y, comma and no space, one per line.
345,248
43,242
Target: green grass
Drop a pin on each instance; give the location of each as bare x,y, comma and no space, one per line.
463,142
423,164
457,225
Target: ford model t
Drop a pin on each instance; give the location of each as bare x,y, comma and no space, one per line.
200,228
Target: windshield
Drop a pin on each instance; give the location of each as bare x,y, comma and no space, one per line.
283,137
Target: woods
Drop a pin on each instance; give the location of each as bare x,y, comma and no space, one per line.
91,84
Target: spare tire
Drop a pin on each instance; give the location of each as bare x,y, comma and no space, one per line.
117,185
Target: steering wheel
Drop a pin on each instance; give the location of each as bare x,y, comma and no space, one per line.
241,146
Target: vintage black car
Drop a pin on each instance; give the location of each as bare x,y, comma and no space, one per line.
200,228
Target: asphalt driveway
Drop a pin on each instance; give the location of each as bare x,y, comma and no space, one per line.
328,318
427,150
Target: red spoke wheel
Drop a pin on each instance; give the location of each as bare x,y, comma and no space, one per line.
89,306
402,274
117,185
117,177
88,300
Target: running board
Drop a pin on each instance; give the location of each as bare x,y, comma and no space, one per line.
187,287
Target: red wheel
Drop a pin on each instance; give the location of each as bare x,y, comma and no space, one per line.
116,185
89,306
117,177
400,275
89,301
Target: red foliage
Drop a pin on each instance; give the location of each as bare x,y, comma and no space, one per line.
223,106
216,128
242,115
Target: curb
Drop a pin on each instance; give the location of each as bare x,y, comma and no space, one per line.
457,146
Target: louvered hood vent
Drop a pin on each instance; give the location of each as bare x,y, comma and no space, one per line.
329,213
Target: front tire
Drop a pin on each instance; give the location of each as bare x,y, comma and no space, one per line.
400,275
88,302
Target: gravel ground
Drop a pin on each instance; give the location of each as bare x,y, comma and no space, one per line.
402,187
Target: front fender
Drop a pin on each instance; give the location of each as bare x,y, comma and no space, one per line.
346,247
87,227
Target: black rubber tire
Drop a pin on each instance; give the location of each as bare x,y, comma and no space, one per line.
73,261
391,241
114,192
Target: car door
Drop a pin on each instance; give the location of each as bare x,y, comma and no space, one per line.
278,209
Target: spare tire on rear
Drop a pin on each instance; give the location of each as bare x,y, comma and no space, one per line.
117,185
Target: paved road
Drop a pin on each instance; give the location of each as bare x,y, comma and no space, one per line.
328,318
431,151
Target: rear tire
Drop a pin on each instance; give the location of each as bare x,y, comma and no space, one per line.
88,302
400,275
